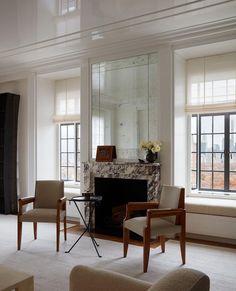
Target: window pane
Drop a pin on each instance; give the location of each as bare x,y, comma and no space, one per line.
206,180
218,181
63,173
232,123
193,161
63,131
194,143
71,145
71,131
193,179
63,145
219,124
206,143
206,124
63,160
218,162
71,173
71,159
232,181
78,159
78,174
233,142
232,162
78,130
218,142
194,125
206,161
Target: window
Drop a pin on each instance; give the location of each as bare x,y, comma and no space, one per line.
70,152
213,152
66,6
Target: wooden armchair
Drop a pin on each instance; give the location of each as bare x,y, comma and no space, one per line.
49,205
162,220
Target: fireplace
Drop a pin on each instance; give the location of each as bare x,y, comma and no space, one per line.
116,193
135,176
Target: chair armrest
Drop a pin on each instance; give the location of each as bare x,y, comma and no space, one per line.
135,206
23,201
153,213
84,278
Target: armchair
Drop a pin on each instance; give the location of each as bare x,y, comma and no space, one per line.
162,220
49,205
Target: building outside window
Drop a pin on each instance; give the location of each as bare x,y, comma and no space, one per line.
211,101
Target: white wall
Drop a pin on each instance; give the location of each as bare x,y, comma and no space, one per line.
180,124
47,137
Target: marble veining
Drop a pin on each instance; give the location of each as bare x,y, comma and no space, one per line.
123,170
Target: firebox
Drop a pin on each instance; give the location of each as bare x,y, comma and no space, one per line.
116,194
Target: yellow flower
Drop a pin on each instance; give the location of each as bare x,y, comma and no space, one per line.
154,146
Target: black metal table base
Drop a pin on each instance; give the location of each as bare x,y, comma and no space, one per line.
87,227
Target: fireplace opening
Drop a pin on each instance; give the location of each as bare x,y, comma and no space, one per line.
116,193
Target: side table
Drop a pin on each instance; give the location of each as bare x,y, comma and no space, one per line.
92,200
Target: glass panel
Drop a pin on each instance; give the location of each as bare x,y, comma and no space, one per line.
71,159
218,162
78,130
63,173
218,124
63,159
193,161
232,142
78,174
78,159
71,131
63,131
71,174
232,162
206,180
71,145
193,179
206,161
218,180
194,124
232,181
63,145
232,123
194,143
206,143
206,124
218,142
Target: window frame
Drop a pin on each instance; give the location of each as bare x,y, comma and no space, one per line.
61,12
226,152
76,152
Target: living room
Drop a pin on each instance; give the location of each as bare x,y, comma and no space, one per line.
142,59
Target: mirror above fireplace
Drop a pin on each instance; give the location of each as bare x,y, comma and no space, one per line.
124,104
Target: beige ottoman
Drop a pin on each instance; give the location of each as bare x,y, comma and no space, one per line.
14,280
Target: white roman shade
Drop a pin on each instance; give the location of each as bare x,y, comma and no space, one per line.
211,84
67,100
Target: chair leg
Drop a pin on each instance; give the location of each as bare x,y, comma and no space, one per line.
162,241
183,247
35,230
65,230
19,234
58,234
146,249
125,241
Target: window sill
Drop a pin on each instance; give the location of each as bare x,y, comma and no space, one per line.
209,206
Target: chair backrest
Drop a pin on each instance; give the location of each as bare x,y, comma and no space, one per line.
171,197
47,193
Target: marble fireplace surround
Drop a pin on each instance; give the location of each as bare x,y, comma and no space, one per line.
123,170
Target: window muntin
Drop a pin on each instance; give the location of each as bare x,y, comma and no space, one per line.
70,152
213,152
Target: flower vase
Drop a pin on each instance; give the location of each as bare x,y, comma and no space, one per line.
151,157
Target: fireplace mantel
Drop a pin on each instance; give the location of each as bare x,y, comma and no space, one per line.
123,170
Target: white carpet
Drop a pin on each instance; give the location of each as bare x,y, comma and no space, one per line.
51,270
